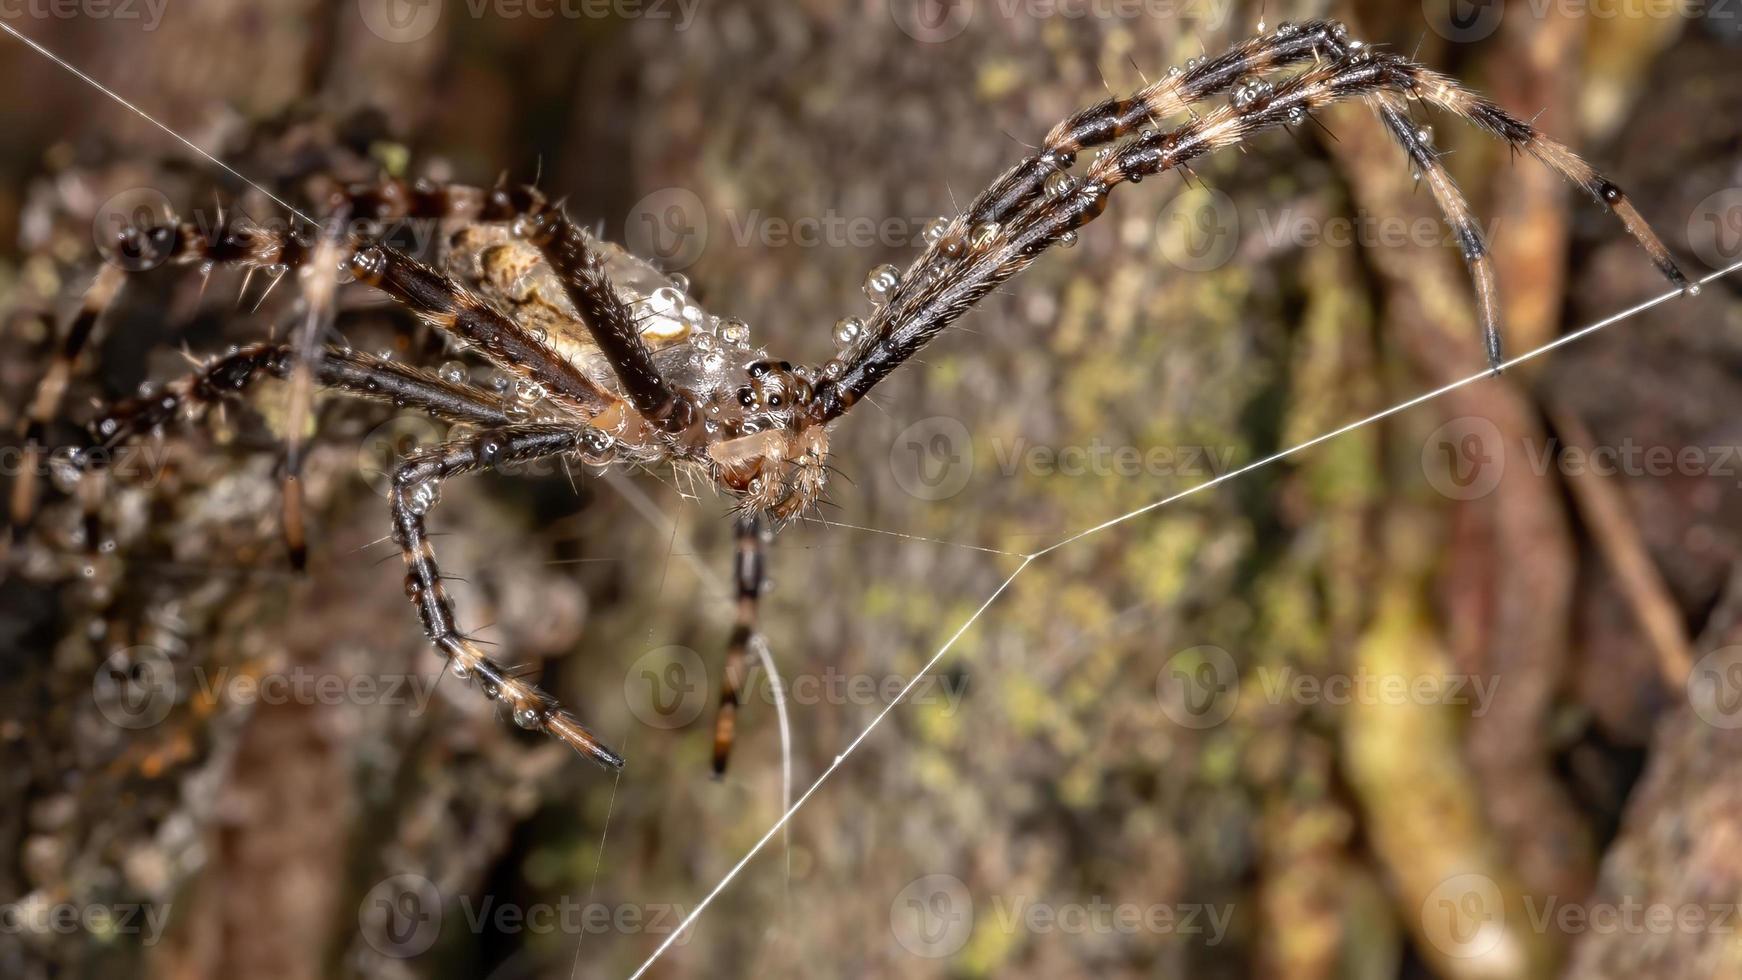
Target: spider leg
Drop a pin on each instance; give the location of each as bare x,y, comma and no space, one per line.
1393,111
955,273
750,572
347,371
416,486
319,284
467,316
46,401
607,317
1171,95
341,370
1420,82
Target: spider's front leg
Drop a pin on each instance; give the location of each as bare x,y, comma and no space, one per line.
968,261
416,487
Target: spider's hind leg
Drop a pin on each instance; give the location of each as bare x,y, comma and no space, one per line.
45,404
749,567
416,486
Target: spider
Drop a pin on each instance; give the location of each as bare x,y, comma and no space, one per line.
614,362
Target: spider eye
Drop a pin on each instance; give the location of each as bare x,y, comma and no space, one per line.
746,397
773,401
758,369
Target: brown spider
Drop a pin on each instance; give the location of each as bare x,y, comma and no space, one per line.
616,363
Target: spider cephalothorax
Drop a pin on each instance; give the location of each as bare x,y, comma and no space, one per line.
613,361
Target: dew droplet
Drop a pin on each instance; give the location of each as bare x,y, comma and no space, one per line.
881,281
453,372
982,235
1058,184
528,392
833,369
1426,135
460,670
527,716
421,498
1249,93
680,282
64,472
734,331
1068,239
847,330
935,230
702,341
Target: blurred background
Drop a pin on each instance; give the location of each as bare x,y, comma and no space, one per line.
1456,694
